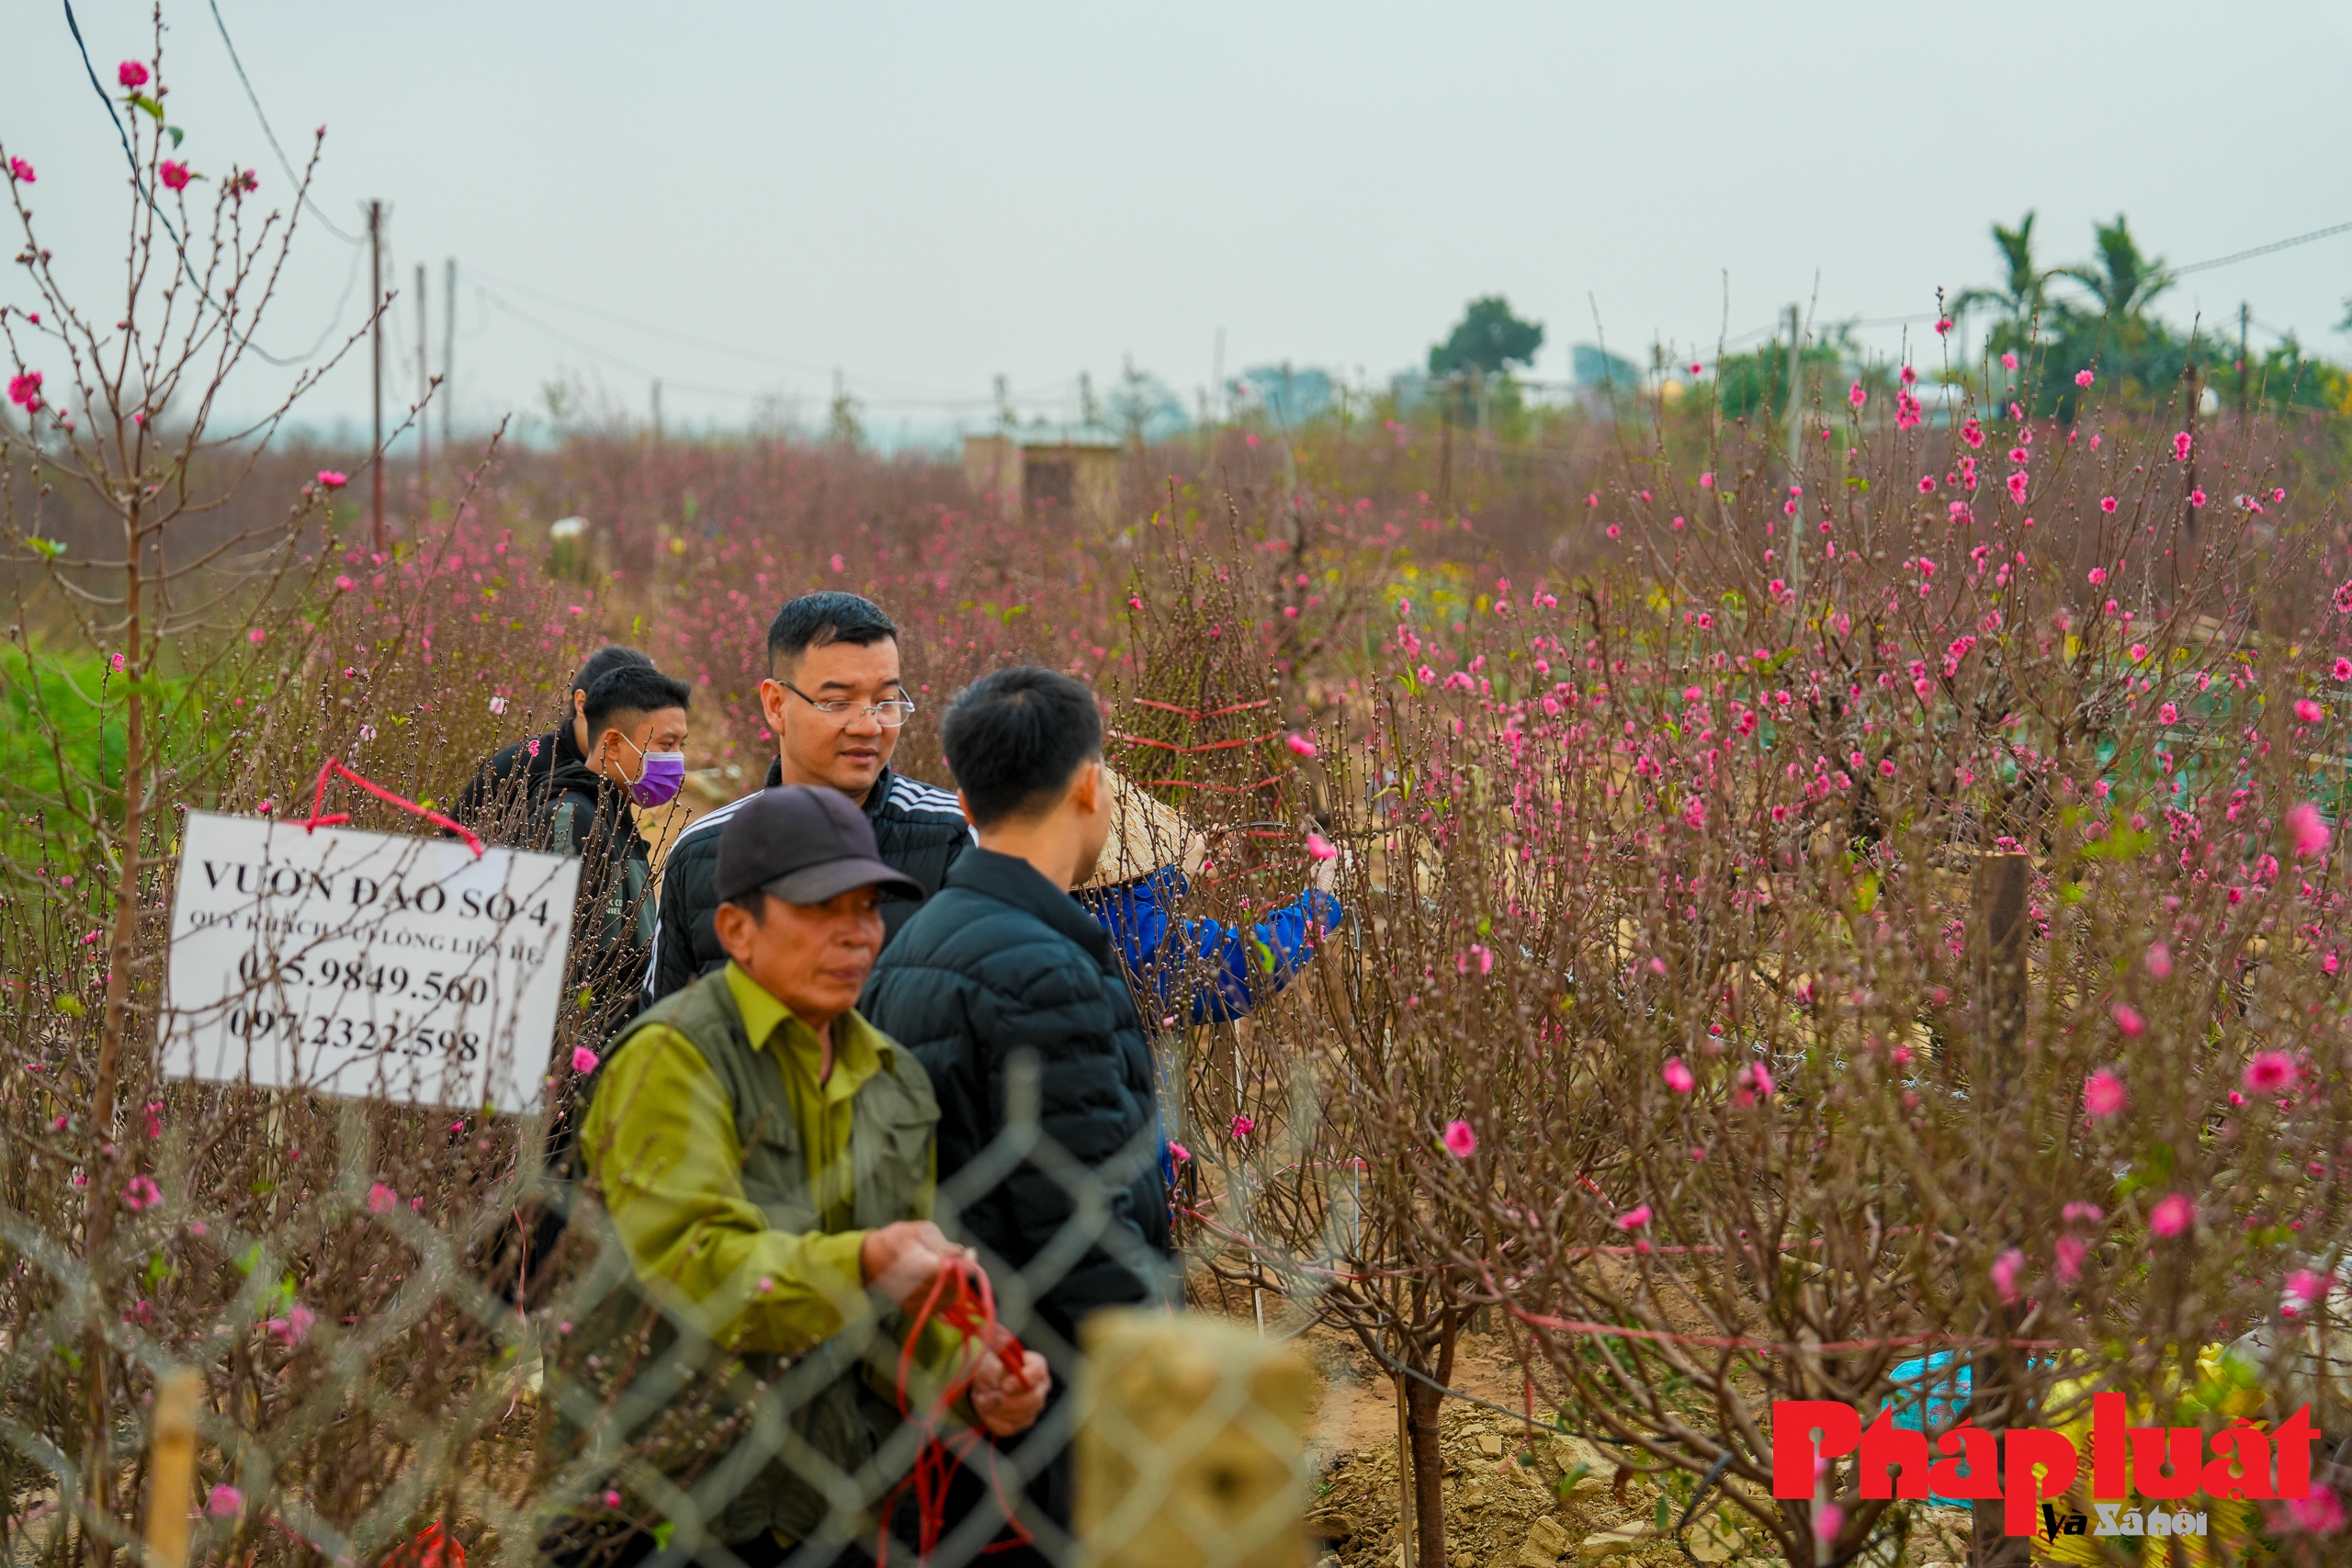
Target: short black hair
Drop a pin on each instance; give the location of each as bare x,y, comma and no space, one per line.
1015,737
632,689
606,659
814,620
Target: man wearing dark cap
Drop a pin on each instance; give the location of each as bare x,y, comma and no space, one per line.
765,1160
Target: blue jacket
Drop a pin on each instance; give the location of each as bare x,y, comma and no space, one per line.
1168,956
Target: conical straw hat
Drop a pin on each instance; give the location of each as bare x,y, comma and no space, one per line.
1144,836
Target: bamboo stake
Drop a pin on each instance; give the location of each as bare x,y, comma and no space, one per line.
171,1468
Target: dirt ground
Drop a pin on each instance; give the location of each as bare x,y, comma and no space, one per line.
1512,1502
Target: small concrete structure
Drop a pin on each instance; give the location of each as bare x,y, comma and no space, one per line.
1041,478
1191,1444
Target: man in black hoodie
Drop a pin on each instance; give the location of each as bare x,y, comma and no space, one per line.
634,718
834,702
511,786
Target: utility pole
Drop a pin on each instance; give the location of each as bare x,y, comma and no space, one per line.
376,355
448,346
2000,963
423,389
2246,371
657,411
1797,447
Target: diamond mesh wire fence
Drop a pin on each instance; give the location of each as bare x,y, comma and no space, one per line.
375,1388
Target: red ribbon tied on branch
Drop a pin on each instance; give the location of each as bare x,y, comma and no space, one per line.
318,817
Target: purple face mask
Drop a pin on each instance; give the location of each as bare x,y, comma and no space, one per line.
665,775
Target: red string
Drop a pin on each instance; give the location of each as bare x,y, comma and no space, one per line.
1268,783
334,766
961,1298
1190,751
1769,1346
1196,714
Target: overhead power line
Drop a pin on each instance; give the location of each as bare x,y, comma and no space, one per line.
735,350
283,161
679,384
2262,250
146,193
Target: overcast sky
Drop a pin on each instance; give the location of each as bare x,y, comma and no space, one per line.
926,197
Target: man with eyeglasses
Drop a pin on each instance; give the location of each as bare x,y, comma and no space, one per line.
835,705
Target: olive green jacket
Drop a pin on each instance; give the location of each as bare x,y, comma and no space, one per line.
732,1344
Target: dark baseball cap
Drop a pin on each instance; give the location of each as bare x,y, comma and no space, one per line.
805,845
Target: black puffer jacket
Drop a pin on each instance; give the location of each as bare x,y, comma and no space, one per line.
918,829
999,961
511,786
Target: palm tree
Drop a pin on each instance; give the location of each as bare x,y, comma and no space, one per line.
2123,281
2019,299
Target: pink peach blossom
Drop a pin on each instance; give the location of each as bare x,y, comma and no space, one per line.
2174,1213
2320,1513
1460,1141
2306,829
2003,1273
2267,1072
2103,1095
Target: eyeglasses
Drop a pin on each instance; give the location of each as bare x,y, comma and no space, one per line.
889,715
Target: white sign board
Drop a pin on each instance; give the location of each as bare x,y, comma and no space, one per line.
366,964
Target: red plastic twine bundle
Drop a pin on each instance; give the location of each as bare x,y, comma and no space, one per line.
961,1298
